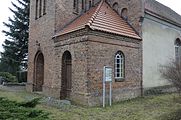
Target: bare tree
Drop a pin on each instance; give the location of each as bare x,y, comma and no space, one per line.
172,73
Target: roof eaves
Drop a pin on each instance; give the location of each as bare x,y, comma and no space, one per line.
162,18
116,33
78,28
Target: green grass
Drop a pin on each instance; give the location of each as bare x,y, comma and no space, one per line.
147,108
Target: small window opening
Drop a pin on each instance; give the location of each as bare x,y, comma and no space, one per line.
124,13
90,4
40,7
44,6
115,6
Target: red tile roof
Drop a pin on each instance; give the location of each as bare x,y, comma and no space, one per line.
102,18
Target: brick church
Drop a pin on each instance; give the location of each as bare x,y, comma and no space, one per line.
71,41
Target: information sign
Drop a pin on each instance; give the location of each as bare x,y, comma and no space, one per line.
107,78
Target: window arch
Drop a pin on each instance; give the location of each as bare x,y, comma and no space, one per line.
119,65
124,13
177,50
115,6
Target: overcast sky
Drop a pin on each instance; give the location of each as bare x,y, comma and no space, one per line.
5,13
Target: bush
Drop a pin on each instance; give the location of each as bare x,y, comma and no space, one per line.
8,77
172,73
30,104
10,110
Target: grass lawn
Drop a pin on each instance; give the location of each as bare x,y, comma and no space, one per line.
147,108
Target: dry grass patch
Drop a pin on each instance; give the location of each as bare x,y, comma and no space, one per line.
147,108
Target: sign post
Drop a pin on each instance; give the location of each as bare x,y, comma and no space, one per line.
107,78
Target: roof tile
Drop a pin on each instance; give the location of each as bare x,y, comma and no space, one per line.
103,18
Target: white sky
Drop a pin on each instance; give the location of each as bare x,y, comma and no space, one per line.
5,13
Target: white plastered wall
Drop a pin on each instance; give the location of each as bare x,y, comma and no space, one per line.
158,49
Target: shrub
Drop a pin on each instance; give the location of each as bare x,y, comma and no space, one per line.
10,110
30,104
172,73
8,77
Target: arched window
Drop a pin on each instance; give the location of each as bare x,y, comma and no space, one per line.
115,6
119,65
44,6
90,4
36,11
83,5
75,6
40,9
124,13
177,50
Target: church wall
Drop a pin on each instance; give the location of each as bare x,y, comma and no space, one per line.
101,52
77,46
158,49
90,54
65,12
40,38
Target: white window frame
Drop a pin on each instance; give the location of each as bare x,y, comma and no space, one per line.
119,66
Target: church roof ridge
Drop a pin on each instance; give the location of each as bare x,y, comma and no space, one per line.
95,14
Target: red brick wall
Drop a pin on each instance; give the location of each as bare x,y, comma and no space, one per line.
89,54
40,38
101,52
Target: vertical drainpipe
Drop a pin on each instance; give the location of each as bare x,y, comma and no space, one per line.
54,38
141,50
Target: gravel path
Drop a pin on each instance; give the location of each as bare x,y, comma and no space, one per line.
12,88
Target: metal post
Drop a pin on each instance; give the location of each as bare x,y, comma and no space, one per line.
104,90
110,94
107,77
104,93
